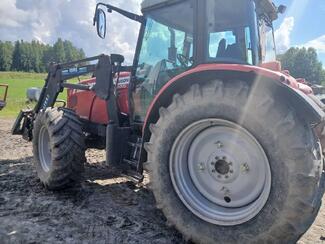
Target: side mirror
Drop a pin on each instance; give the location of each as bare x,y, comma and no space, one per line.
101,23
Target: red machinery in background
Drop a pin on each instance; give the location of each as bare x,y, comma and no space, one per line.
3,95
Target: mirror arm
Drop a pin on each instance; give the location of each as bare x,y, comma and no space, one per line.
110,8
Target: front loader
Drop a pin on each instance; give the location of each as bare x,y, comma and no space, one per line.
232,144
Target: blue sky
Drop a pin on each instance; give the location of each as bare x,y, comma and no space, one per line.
304,24
46,20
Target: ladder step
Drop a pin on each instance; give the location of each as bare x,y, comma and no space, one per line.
133,176
136,145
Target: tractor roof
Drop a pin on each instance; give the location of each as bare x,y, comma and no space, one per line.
149,4
263,6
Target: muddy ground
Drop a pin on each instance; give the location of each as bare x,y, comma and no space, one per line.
105,209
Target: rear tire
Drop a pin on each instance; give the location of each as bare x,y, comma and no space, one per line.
59,148
292,150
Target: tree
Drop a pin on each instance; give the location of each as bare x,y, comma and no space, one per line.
323,77
6,52
37,50
72,53
59,51
303,63
16,59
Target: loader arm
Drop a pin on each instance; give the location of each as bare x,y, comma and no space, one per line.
56,82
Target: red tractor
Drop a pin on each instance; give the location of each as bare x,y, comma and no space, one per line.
3,95
232,144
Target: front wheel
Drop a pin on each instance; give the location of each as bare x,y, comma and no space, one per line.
58,147
236,166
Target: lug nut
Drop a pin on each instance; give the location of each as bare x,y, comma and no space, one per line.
244,167
225,190
201,166
219,144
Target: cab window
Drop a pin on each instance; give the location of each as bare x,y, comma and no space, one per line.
232,46
231,31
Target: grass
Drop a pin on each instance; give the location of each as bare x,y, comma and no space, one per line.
18,83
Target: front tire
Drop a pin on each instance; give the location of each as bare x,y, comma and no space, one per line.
267,144
58,148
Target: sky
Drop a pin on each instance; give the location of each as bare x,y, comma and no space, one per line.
46,20
303,24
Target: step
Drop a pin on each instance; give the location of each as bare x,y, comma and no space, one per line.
133,176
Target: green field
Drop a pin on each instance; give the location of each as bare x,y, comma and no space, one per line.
18,83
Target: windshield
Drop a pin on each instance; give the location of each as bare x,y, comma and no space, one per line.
231,31
164,44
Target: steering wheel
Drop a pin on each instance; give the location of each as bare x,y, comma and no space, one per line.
183,60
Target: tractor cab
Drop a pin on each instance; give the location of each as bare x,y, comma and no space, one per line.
178,35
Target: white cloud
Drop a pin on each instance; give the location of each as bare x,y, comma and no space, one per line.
318,44
10,16
47,20
282,35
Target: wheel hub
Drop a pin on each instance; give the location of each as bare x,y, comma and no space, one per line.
44,149
221,166
220,172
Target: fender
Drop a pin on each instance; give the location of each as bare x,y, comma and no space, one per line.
278,82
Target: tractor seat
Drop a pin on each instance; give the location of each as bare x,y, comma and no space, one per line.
234,51
221,48
2,104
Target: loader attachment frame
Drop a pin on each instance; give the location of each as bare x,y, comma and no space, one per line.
56,82
4,98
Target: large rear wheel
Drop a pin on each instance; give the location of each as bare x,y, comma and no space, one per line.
236,166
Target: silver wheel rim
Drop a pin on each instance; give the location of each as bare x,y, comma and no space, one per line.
44,149
220,172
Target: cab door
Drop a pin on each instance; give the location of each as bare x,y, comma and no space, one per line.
166,50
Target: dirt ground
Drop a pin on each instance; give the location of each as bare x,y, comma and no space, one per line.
105,209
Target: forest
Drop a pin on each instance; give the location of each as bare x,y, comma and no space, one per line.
35,56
